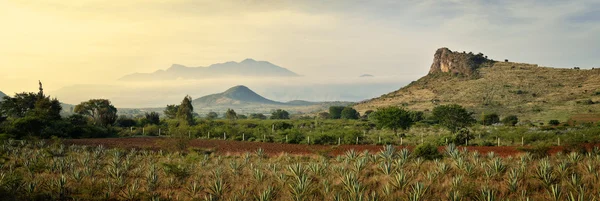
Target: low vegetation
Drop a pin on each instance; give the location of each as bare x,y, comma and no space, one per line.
44,171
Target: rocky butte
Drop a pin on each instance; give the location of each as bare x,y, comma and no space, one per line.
447,61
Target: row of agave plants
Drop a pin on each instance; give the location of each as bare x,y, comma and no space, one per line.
43,171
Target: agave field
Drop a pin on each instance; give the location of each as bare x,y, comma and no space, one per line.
54,171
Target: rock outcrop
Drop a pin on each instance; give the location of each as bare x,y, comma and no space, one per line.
447,61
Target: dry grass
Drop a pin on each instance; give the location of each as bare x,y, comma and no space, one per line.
528,91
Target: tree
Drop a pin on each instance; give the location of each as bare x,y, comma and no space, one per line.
453,116
230,114
22,103
124,121
510,120
349,113
101,111
171,111
185,111
257,116
280,114
490,119
152,118
323,115
393,118
212,115
241,116
335,112
31,114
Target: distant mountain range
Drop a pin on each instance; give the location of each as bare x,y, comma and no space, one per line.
245,68
366,75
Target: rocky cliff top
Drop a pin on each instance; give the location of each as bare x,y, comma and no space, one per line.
447,61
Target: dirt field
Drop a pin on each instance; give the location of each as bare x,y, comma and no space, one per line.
237,147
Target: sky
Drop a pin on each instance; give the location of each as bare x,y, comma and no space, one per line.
95,42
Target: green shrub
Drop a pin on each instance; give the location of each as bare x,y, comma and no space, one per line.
510,120
554,122
537,152
490,119
427,151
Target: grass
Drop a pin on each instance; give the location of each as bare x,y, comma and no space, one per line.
546,93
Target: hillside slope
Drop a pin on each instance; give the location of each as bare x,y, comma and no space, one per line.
2,94
531,92
245,68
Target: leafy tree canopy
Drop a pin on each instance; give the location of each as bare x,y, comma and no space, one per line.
101,111
230,114
257,116
335,112
349,113
453,116
393,118
280,114
185,111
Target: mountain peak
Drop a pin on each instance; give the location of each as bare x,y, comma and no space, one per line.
238,89
248,60
234,96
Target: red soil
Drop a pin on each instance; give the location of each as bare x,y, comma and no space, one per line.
237,147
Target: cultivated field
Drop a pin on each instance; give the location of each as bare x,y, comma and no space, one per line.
44,171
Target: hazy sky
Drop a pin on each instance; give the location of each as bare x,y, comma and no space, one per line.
68,42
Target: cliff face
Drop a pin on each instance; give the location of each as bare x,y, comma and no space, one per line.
447,61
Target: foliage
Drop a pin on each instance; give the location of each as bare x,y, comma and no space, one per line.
323,115
185,111
393,118
417,116
490,119
257,116
280,114
230,114
554,122
427,151
454,117
151,118
101,111
212,115
349,113
510,120
335,112
171,111
124,121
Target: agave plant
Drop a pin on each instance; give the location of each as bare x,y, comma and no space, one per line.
417,192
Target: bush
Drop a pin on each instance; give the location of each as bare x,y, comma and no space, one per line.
427,151
490,119
510,120
554,122
462,136
349,113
